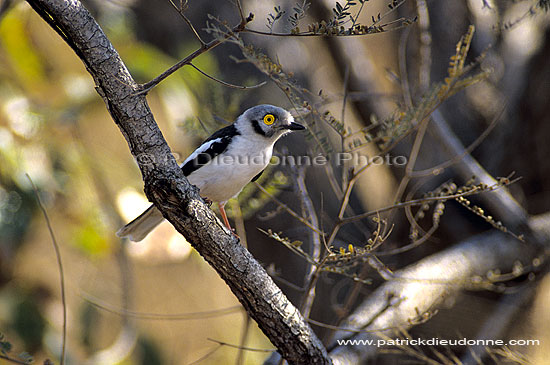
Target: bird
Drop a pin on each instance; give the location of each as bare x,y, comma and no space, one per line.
225,162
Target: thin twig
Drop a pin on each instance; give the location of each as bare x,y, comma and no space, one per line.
416,202
59,265
329,170
401,23
241,13
181,11
357,15
411,245
409,168
297,250
387,13
308,299
242,87
405,89
345,98
278,278
309,210
244,336
408,209
288,209
206,356
342,120
221,343
206,130
160,316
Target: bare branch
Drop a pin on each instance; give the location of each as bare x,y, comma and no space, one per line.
288,209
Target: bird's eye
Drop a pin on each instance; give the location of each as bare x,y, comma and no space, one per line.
269,119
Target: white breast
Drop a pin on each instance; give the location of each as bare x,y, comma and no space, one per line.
226,175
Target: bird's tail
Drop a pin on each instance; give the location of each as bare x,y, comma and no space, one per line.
140,227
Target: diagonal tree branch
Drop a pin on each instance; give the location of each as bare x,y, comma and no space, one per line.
170,191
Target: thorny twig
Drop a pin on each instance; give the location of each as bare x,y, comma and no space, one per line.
59,265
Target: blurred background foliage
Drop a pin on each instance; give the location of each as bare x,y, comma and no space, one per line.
128,303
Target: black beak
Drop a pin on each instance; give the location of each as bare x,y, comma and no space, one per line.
295,127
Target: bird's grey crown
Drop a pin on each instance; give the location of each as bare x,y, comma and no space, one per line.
259,111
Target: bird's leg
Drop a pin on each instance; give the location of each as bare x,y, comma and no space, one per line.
224,217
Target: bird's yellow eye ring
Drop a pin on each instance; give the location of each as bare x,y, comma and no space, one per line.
269,119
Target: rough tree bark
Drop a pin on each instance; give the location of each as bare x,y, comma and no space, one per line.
170,191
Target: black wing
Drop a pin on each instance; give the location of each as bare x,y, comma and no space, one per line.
225,135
